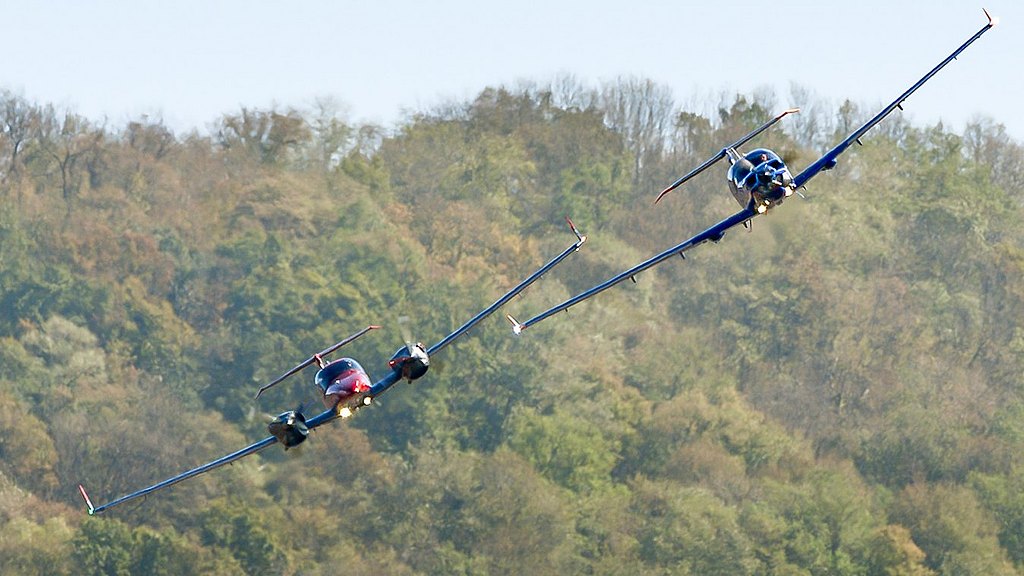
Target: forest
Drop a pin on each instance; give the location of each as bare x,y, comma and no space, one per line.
837,391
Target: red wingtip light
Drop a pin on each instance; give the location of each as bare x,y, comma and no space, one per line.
572,227
88,502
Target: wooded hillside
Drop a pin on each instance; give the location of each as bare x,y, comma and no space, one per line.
838,391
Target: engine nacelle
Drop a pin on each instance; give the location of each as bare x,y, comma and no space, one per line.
411,364
289,428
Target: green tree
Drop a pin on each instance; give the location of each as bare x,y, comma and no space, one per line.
955,533
567,450
240,531
103,547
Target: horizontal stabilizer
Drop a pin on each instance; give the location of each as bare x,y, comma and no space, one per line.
318,357
722,154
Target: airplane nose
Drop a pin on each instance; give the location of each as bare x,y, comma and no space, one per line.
351,384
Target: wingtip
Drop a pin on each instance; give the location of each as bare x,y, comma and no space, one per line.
581,237
88,502
262,389
662,195
789,111
517,328
992,20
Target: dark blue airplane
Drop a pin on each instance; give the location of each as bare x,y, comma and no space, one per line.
345,387
759,180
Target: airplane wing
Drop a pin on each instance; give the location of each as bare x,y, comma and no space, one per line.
393,377
829,160
315,422
382,385
252,449
713,234
716,232
512,293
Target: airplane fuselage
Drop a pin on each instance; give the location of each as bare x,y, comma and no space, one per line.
340,380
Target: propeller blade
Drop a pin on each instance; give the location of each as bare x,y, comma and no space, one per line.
403,327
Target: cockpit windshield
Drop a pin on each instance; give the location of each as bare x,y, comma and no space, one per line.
756,170
762,155
328,374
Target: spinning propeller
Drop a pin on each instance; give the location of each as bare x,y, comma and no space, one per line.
290,427
411,361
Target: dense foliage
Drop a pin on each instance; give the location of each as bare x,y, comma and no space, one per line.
836,392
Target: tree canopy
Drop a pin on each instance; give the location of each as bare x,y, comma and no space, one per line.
837,391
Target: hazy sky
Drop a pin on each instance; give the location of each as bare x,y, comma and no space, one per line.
190,61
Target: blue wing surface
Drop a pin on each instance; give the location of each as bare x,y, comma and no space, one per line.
511,293
713,234
828,161
248,450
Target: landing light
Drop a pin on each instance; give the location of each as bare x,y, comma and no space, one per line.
762,209
345,412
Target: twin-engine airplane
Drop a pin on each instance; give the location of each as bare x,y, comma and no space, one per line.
759,180
344,385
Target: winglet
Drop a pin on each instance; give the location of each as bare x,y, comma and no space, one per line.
88,502
517,328
582,238
662,194
992,21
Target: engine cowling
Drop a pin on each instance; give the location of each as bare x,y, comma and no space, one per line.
289,428
410,364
